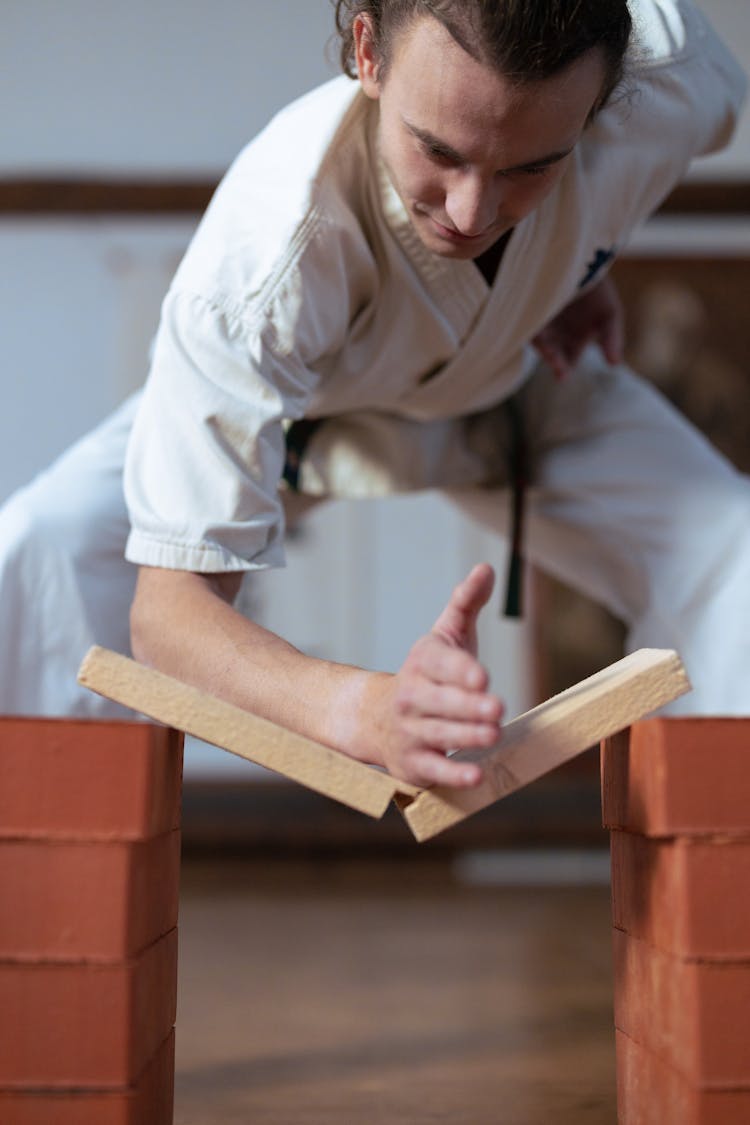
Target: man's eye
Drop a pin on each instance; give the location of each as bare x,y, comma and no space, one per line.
531,170
438,155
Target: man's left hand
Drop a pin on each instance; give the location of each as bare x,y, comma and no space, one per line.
596,317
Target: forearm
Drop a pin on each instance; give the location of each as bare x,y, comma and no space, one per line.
185,625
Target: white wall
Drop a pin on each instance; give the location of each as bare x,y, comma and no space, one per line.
79,301
150,85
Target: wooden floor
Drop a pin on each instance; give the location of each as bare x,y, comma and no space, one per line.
325,993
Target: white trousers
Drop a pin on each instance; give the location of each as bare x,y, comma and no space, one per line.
64,581
633,507
629,505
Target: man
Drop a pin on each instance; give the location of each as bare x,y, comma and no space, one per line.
374,270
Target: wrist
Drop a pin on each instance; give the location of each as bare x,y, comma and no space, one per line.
356,718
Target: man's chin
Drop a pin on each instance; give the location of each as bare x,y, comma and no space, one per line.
459,251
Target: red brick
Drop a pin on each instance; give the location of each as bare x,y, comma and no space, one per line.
94,1025
86,901
695,1015
649,1092
678,777
150,1101
686,896
86,779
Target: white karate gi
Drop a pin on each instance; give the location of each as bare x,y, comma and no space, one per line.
306,293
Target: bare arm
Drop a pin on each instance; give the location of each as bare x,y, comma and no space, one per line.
185,625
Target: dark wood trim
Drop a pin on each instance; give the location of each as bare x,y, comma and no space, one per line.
98,196
91,197
720,197
278,818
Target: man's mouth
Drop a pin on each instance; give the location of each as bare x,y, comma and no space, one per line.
453,235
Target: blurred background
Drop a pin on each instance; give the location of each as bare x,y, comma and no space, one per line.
119,120
330,970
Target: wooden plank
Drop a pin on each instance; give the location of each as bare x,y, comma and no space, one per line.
552,733
231,728
531,745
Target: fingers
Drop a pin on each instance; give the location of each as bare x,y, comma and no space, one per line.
553,355
447,715
427,768
438,701
457,721
559,364
447,701
444,736
419,752
610,321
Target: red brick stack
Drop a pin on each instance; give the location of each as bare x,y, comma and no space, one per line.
89,881
676,795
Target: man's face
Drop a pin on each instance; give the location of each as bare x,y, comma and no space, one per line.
469,152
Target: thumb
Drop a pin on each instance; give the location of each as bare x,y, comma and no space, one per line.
457,622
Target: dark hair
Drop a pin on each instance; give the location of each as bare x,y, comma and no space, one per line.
526,40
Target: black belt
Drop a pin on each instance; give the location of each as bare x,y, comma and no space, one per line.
519,479
297,437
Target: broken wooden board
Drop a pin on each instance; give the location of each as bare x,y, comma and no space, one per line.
531,745
231,728
552,733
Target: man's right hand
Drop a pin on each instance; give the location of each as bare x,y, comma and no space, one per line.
439,700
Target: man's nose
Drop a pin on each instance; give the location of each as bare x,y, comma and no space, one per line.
472,204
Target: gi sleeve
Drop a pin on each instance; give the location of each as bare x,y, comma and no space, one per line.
691,69
207,449
681,98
